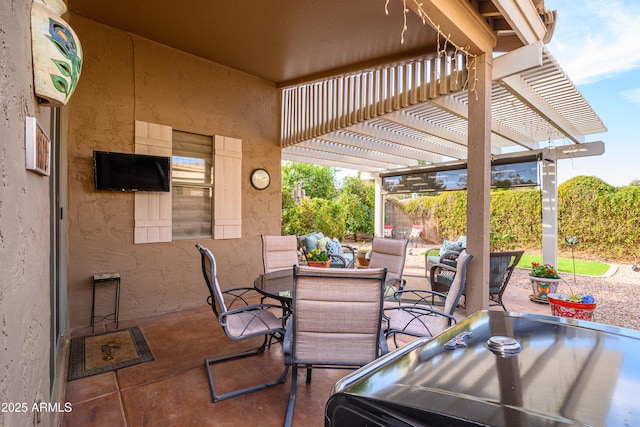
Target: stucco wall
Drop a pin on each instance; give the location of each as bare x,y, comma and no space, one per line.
127,78
24,229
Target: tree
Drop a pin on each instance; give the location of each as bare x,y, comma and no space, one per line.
317,181
357,198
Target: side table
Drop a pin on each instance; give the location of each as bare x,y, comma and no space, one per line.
104,279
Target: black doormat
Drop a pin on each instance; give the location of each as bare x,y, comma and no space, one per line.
98,353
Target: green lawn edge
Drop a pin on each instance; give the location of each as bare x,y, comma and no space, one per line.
565,265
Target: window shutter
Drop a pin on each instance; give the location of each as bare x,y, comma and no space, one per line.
152,211
227,222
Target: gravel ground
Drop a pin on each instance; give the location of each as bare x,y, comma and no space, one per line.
617,292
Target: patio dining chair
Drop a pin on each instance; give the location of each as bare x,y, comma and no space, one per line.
390,254
279,252
415,314
246,321
336,322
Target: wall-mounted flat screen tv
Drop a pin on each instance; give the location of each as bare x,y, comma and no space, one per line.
131,172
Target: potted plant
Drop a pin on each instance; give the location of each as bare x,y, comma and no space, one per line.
544,281
363,249
318,258
573,306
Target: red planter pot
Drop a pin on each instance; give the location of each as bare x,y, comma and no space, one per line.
574,310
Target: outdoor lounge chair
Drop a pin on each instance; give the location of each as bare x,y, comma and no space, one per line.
435,255
247,321
390,254
341,255
415,315
279,253
335,322
501,266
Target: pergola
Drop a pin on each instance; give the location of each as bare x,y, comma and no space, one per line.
471,82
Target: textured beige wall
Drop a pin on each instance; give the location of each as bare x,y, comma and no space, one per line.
126,78
24,229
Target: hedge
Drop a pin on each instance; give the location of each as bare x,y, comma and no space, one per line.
605,219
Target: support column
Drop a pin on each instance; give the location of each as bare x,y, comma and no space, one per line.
378,208
479,184
549,208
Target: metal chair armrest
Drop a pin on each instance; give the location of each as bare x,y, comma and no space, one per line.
339,258
421,309
417,293
442,267
238,294
349,248
252,307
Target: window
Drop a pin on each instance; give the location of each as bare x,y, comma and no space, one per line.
192,186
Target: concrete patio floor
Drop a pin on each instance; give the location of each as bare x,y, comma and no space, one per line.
173,389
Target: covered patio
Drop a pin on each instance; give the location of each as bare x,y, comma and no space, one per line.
387,88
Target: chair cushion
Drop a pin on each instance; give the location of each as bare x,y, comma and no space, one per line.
348,257
334,247
451,256
433,259
251,322
417,323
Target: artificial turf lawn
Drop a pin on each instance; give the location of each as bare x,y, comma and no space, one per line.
565,265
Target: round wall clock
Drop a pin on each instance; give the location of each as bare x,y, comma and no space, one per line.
260,179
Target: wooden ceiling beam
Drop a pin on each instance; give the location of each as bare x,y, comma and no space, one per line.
457,20
488,9
524,19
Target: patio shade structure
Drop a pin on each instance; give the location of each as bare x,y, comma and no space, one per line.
471,82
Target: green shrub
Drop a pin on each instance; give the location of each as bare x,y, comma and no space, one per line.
325,216
606,219
357,198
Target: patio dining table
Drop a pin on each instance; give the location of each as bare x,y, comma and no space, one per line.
277,285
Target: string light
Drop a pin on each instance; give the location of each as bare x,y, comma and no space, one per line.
422,14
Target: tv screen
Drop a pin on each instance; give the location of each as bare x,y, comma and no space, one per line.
131,172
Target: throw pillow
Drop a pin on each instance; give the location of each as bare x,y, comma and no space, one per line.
334,247
310,243
462,241
322,243
447,245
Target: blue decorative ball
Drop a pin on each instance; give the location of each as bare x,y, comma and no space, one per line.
588,299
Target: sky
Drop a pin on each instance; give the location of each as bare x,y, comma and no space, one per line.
596,44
